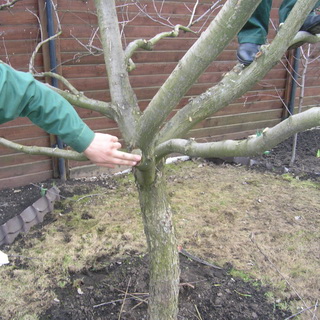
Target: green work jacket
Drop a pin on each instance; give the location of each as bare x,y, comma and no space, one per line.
23,96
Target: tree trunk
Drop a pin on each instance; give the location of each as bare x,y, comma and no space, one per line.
162,246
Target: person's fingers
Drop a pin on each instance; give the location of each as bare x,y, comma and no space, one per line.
104,151
113,138
116,145
124,156
120,157
117,162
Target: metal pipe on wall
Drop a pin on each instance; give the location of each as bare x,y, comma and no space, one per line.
54,81
295,75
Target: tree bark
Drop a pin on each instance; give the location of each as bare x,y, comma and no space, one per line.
122,95
163,254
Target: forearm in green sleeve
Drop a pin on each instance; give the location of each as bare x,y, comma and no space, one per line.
23,96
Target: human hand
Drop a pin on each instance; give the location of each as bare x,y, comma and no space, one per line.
103,151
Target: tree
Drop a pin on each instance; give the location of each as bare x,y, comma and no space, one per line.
150,134
306,59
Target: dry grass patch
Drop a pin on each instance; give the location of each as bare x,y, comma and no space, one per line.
266,226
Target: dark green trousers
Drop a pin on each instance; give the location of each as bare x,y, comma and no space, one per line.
256,29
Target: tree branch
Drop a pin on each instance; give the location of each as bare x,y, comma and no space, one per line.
228,23
193,12
43,41
303,37
165,21
238,81
51,152
253,145
36,50
213,7
57,76
92,50
149,44
122,95
80,100
75,97
8,4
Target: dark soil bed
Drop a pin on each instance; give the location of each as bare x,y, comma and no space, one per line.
204,292
306,164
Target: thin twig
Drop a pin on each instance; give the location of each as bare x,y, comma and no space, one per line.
136,297
198,313
8,4
125,296
134,294
193,13
208,12
138,304
305,63
283,102
113,301
143,10
43,41
159,12
6,52
296,314
93,50
109,302
315,311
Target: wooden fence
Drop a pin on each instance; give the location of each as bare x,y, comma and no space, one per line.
261,107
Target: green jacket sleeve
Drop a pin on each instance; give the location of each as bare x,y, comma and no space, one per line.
23,96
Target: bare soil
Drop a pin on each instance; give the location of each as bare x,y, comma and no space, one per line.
205,291
259,225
